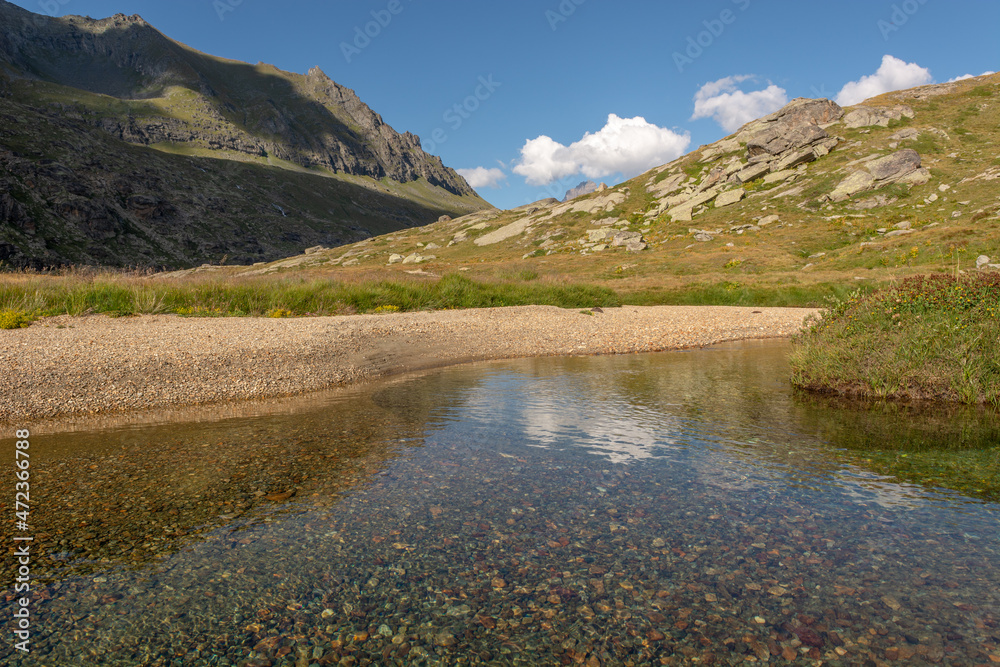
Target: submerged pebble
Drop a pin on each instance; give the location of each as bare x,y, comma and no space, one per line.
599,524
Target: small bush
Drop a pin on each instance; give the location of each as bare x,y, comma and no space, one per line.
279,312
14,319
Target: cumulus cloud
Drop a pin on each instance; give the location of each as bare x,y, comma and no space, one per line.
731,107
968,76
481,177
628,146
893,74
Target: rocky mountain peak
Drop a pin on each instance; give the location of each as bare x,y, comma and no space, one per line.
133,125
584,188
309,120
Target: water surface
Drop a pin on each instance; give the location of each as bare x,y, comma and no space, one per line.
676,508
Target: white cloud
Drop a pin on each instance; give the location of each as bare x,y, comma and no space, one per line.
968,76
732,107
628,146
481,177
893,74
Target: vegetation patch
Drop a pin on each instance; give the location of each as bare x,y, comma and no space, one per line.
14,319
281,296
927,337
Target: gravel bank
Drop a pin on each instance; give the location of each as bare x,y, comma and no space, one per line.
64,366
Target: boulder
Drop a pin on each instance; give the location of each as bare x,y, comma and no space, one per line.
597,235
904,134
903,166
667,185
753,172
866,116
873,202
682,214
778,176
683,208
793,159
625,238
505,232
781,138
713,177
894,165
729,197
395,258
604,202
982,261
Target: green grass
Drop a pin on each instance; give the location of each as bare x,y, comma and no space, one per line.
277,296
735,293
924,338
117,294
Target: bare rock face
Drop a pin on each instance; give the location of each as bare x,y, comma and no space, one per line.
903,166
865,116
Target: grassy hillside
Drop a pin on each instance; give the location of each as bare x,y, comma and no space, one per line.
790,240
737,251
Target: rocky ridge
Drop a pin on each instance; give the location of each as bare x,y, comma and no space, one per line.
254,110
250,164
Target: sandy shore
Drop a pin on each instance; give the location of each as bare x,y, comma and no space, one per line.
63,367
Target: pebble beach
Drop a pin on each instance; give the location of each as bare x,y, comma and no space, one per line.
73,366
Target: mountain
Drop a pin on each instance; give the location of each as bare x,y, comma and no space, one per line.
813,194
121,146
584,188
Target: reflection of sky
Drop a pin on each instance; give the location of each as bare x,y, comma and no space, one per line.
554,413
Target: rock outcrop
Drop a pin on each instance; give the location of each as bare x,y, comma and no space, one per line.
788,137
866,116
903,166
795,125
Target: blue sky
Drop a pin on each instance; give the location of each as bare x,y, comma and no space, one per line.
530,98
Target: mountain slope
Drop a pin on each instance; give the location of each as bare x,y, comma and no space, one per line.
107,86
904,183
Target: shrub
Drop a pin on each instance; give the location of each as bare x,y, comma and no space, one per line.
14,319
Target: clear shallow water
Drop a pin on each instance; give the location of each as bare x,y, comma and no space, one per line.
680,508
